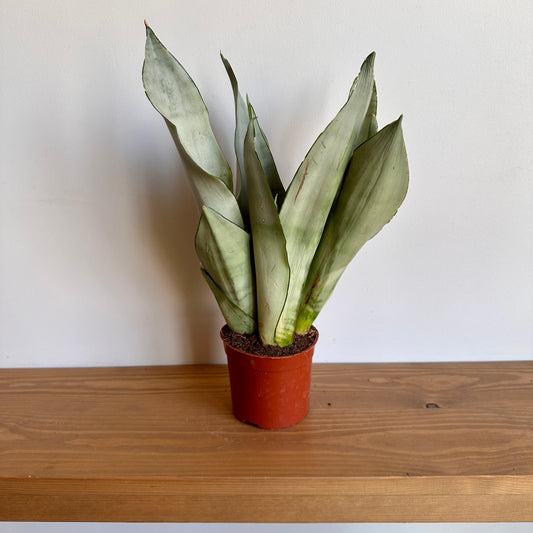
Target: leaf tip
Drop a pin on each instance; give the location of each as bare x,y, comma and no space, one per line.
370,59
149,30
150,35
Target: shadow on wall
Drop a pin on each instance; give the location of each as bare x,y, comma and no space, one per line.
172,218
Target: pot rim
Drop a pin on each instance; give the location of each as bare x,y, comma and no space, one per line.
269,357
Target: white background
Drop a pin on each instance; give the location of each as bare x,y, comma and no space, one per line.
97,265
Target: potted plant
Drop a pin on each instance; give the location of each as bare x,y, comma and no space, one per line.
272,256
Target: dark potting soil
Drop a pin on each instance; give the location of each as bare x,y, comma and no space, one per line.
252,344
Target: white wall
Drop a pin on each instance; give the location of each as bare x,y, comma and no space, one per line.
96,219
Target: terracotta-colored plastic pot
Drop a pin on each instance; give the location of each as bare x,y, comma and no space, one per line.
270,392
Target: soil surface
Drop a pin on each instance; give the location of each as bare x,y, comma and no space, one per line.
252,344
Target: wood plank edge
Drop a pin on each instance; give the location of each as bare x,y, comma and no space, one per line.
483,499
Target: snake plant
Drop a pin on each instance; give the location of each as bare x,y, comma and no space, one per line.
271,256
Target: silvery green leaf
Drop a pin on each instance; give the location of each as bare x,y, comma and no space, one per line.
266,159
175,96
223,249
241,126
270,255
243,113
235,317
375,187
313,190
370,124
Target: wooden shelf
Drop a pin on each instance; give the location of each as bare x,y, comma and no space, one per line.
445,442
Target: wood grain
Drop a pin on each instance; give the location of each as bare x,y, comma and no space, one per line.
382,442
